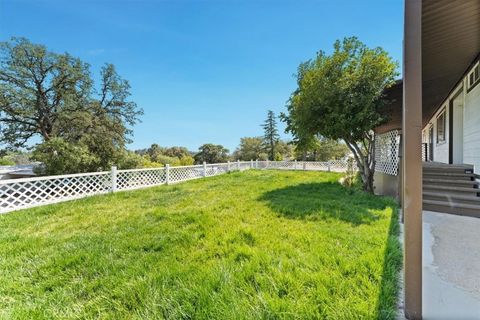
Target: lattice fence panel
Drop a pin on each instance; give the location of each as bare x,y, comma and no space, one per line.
216,169
140,178
30,192
387,147
334,165
178,174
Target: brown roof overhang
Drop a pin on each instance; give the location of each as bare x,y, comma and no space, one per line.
450,44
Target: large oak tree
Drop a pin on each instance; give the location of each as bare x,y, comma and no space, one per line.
52,95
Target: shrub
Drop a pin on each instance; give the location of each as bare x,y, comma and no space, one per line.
60,157
187,161
6,162
167,160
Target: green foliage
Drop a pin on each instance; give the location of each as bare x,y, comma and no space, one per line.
253,148
285,150
177,152
61,157
6,162
162,159
160,156
340,96
250,149
251,245
187,160
53,95
132,160
351,176
262,156
270,137
211,153
321,149
18,157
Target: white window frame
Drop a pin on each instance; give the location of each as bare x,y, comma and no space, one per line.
473,77
441,138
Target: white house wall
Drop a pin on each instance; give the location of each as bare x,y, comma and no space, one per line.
471,128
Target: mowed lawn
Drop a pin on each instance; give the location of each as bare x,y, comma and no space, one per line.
249,245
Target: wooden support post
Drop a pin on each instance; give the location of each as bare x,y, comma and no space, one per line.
412,157
204,169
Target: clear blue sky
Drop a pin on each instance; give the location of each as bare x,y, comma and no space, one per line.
203,71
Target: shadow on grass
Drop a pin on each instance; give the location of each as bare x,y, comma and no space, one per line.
392,265
329,200
324,200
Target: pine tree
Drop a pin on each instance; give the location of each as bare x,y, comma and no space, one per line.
270,137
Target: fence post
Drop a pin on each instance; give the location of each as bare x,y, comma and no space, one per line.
238,165
267,164
228,166
114,178
204,169
295,165
251,164
256,163
328,165
167,173
304,165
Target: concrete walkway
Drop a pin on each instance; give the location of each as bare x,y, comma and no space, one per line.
451,266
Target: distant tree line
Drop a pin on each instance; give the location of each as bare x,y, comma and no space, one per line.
85,126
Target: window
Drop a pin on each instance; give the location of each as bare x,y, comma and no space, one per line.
441,127
473,77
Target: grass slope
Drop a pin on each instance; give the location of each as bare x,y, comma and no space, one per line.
251,245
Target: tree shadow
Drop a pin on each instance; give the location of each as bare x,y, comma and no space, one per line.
323,201
330,200
392,264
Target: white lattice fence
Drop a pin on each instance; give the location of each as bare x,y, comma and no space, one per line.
140,178
179,174
387,147
333,165
29,192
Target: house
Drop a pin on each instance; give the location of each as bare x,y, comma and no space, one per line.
428,153
450,140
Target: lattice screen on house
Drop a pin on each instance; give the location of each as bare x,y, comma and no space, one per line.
387,147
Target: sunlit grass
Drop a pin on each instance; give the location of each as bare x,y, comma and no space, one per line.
251,245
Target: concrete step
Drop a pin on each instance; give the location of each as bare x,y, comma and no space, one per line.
451,182
454,208
447,169
449,175
451,189
453,198
433,165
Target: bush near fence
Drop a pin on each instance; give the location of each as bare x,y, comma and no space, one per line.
30,192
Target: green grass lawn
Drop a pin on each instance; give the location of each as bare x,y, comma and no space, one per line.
251,245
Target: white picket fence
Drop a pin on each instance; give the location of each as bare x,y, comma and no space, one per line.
30,192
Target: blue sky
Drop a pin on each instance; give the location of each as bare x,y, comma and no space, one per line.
203,71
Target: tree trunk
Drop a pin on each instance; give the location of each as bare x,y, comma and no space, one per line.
365,160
